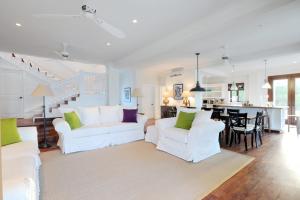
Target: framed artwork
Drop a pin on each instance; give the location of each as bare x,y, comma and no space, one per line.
177,91
127,94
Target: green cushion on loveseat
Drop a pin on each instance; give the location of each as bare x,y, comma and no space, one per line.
73,120
185,120
9,132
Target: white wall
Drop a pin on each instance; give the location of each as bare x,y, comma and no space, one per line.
127,79
113,75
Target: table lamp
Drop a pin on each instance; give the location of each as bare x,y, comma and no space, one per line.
186,101
137,93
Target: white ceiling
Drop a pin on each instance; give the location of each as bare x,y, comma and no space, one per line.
167,35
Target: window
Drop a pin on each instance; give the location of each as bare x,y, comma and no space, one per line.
237,95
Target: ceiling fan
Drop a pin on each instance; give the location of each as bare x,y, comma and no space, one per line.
64,54
91,14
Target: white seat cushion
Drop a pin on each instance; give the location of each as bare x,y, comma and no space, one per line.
89,130
249,128
103,128
176,134
119,126
21,149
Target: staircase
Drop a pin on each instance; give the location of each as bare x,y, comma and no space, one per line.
66,91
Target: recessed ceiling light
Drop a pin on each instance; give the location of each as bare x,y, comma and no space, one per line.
135,21
294,62
108,44
18,24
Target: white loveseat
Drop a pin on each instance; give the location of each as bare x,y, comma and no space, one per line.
20,167
196,144
98,131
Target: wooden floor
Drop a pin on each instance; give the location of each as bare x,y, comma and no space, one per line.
274,174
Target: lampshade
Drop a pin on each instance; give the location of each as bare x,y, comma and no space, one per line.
267,85
42,90
186,94
137,92
166,94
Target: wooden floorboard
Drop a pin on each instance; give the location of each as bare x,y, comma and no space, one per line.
274,174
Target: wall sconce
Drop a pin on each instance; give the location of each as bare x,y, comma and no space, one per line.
186,101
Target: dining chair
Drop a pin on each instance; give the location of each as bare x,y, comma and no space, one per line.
239,126
258,127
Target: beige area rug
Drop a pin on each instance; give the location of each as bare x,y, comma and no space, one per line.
134,171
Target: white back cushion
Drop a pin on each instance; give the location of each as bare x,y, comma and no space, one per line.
65,109
202,116
110,114
89,115
187,110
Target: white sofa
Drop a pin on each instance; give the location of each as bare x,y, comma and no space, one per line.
20,167
196,144
104,130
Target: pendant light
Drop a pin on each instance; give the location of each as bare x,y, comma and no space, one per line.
197,88
266,85
233,85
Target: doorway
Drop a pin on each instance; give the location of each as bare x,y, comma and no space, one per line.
285,92
11,93
148,100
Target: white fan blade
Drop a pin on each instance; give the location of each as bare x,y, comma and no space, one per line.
55,16
57,53
110,28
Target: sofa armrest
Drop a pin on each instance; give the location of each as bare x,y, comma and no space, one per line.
142,119
206,132
28,133
165,123
61,126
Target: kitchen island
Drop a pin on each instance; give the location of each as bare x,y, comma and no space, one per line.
277,115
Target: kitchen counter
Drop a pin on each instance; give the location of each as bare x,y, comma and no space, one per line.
277,115
238,106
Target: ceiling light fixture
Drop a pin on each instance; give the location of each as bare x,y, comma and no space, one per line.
197,88
233,85
294,62
266,85
18,24
108,44
134,21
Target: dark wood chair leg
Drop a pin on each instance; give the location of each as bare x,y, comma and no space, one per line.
245,140
231,137
255,138
260,139
252,137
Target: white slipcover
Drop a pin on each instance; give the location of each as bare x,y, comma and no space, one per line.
194,145
108,131
20,166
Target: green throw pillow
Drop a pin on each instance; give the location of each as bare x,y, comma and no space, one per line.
9,131
185,120
73,120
